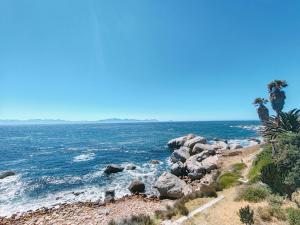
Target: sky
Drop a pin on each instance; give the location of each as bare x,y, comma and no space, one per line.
145,59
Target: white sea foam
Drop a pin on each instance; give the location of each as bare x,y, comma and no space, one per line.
249,127
84,157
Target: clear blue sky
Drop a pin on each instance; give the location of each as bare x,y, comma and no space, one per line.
170,59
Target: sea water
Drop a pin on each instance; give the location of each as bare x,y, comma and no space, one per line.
64,163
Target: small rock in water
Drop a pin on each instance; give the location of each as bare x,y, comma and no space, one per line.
131,167
7,174
109,196
113,168
154,161
137,187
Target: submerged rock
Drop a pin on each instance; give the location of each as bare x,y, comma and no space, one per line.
137,187
181,154
154,161
7,174
178,169
170,186
109,196
179,142
113,168
131,167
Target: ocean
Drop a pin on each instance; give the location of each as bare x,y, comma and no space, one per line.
64,163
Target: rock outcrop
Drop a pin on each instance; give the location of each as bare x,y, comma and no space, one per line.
178,169
109,196
179,142
192,142
7,174
113,168
198,148
171,187
181,154
137,187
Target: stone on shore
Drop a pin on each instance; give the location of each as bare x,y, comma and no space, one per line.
171,187
137,187
113,168
192,142
7,174
181,154
198,148
179,142
178,169
220,145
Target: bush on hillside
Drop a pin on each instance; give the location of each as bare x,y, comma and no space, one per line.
283,174
293,216
246,215
253,193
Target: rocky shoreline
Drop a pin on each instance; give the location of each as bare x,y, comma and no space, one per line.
195,163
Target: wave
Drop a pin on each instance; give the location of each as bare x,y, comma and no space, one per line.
84,157
249,127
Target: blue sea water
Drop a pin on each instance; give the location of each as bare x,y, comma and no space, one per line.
54,161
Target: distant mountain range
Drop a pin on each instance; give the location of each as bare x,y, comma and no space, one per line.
58,121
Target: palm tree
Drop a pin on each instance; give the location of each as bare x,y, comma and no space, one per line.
277,95
262,110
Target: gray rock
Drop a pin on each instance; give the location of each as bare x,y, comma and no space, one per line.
192,142
179,142
198,165
113,168
171,187
154,161
235,146
220,145
178,169
7,174
198,148
181,154
137,187
130,167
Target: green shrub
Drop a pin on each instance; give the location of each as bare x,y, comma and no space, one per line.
246,215
282,175
275,200
262,159
134,220
293,216
228,179
238,167
253,193
278,213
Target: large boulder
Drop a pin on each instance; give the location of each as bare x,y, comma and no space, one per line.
7,174
178,169
137,187
198,148
178,142
200,164
192,142
171,187
113,168
181,154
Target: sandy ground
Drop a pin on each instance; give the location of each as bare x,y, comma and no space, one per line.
90,215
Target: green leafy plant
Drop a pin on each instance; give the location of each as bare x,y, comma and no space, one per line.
253,193
277,95
284,122
246,215
293,216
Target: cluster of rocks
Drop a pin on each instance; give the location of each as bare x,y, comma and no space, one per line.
193,158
